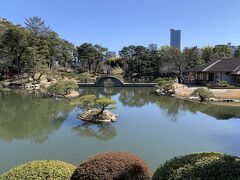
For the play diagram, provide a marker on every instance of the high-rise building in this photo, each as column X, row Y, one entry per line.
column 153, row 47
column 111, row 54
column 175, row 38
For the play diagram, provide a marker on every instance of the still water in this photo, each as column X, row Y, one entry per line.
column 155, row 128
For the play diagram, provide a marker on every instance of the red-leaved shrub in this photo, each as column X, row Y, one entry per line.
column 113, row 166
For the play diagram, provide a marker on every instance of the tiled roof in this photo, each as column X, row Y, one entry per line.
column 222, row 65
column 236, row 71
column 201, row 68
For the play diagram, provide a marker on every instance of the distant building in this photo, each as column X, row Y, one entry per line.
column 111, row 54
column 175, row 38
column 153, row 47
column 233, row 48
column 225, row 69
column 75, row 58
column 2, row 26
column 3, row 19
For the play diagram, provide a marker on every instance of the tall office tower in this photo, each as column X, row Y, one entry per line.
column 153, row 47
column 111, row 54
column 175, row 38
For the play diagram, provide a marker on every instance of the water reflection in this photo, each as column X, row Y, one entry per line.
column 144, row 127
column 138, row 97
column 99, row 131
column 104, row 91
column 23, row 116
column 219, row 112
column 173, row 106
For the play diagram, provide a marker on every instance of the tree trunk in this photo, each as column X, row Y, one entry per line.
column 89, row 68
column 99, row 115
column 101, row 112
column 18, row 68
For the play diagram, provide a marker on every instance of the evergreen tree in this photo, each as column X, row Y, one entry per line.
column 37, row 26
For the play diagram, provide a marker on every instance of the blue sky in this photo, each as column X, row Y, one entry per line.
column 117, row 23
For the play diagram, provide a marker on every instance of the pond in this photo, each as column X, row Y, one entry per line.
column 153, row 127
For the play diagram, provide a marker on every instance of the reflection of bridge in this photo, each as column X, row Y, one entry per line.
column 116, row 83
column 109, row 91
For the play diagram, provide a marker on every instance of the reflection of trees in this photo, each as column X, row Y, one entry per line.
column 170, row 106
column 27, row 117
column 174, row 106
column 89, row 90
column 221, row 112
column 99, row 131
column 137, row 97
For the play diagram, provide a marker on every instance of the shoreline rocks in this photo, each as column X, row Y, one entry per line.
column 196, row 99
column 18, row 85
column 73, row 94
column 92, row 116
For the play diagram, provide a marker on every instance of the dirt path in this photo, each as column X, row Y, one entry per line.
column 184, row 91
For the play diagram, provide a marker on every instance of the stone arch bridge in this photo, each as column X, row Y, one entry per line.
column 116, row 82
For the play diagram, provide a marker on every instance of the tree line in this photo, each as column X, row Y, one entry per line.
column 167, row 61
column 35, row 47
column 32, row 48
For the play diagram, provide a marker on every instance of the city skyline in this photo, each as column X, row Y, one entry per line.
column 141, row 23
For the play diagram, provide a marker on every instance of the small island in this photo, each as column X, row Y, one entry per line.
column 95, row 110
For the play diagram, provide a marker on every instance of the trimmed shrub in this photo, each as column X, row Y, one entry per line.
column 46, row 169
column 61, row 88
column 113, row 165
column 82, row 77
column 166, row 85
column 222, row 84
column 115, row 62
column 200, row 166
column 203, row 94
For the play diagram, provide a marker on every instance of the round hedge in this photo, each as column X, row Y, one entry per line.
column 46, row 169
column 113, row 165
column 200, row 166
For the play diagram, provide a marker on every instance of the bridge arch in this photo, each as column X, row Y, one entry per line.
column 117, row 82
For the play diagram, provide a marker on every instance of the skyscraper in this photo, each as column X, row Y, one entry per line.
column 111, row 54
column 175, row 38
column 153, row 47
